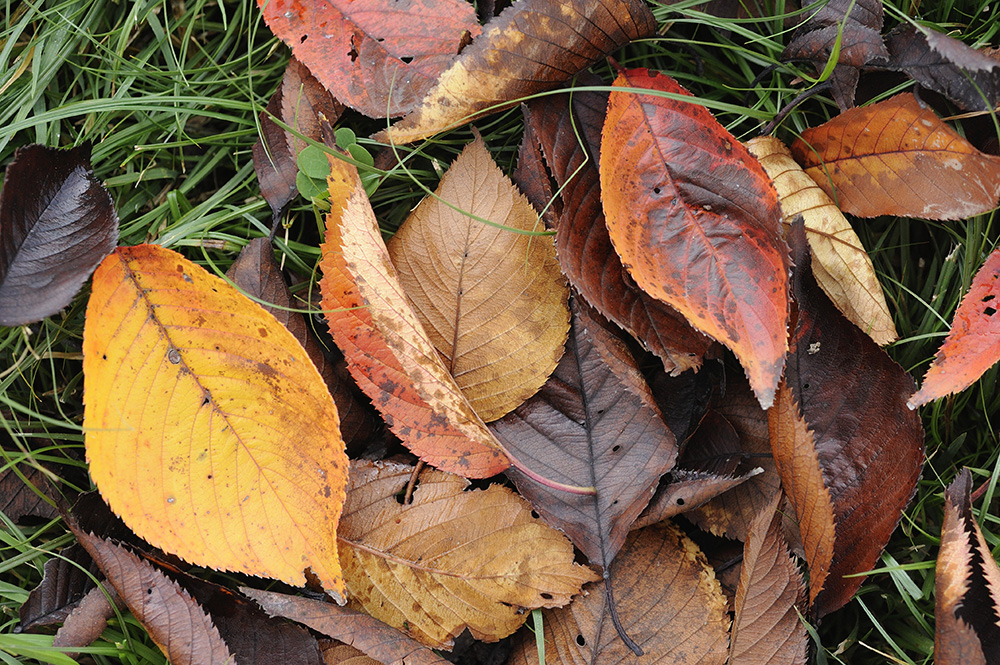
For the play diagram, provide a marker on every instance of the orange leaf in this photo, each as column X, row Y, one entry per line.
column 387, row 349
column 973, row 345
column 696, row 222
column 208, row 429
column 898, row 158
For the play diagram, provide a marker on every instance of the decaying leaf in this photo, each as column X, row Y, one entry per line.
column 688, row 490
column 898, row 158
column 971, row 347
column 967, row 585
column 533, row 45
column 337, row 653
column 56, row 224
column 208, row 429
column 569, row 136
column 668, row 600
column 766, row 628
column 377, row 56
column 22, row 494
column 697, row 223
column 492, row 300
column 452, row 559
column 387, row 350
column 841, row 265
column 88, row 619
column 66, row 579
column 593, row 424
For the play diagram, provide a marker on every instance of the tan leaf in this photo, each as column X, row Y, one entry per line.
column 336, row 653
column 667, row 598
column 452, row 559
column 493, row 301
column 840, row 263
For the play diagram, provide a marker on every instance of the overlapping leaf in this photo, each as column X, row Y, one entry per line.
column 897, row 158
column 377, row 56
column 971, row 347
column 387, row 350
column 533, row 45
column 697, row 223
column 841, row 265
column 208, row 429
column 492, row 300
column 56, row 224
column 452, row 559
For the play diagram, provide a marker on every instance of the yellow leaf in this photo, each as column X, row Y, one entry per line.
column 208, row 429
column 452, row 559
column 493, row 301
column 841, row 265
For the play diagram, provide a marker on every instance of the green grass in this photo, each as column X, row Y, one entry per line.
column 170, row 103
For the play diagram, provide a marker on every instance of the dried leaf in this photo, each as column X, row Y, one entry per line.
column 452, row 559
column 971, row 346
column 593, row 424
column 208, row 429
column 898, row 158
column 688, row 490
column 56, row 224
column 21, row 493
column 336, row 653
column 66, row 579
column 582, row 242
column 387, row 350
column 374, row 638
column 533, row 45
column 668, row 600
column 697, row 222
column 841, row 265
column 377, row 56
column 88, row 619
column 967, row 585
column 766, row 628
column 493, row 301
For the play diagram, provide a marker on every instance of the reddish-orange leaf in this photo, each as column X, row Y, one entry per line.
column 973, row 345
column 387, row 349
column 377, row 56
column 696, row 221
column 898, row 158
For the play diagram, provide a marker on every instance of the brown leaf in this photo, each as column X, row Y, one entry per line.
column 869, row 445
column 337, row 653
column 841, row 265
column 66, row 579
column 88, row 619
column 570, row 139
column 898, row 158
column 452, row 559
column 971, row 346
column 492, row 300
column 298, row 102
column 668, row 600
column 593, row 424
column 533, row 45
column 697, row 222
column 766, row 628
column 22, row 494
column 688, row 490
column 374, row 638
column 967, row 585
column 377, row 56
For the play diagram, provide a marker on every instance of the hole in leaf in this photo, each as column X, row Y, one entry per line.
column 616, row 448
column 535, row 514
column 989, row 311
column 805, row 386
column 547, row 596
column 579, row 640
column 988, row 297
column 680, row 501
column 656, row 190
column 304, row 38
column 407, row 59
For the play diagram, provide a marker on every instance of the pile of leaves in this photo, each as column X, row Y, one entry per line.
column 656, row 320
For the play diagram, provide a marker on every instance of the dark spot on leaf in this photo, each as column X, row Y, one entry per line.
column 534, row 514
column 546, row 596
column 104, row 356
column 303, row 39
column 615, row 448
column 680, row 501
column 579, row 640
column 262, row 332
column 656, row 190
column 805, row 386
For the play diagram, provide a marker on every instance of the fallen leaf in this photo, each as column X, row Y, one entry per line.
column 967, row 585
column 370, row 636
column 298, row 103
column 941, row 63
column 492, row 300
column 533, row 45
column 208, row 429
column 66, row 579
column 594, row 423
column 869, row 446
column 57, row 222
column 387, row 350
column 697, row 222
column 452, row 559
column 377, row 56
column 841, row 265
column 87, row 620
column 766, row 627
column 898, row 158
column 570, row 139
column 668, row 600
column 337, row 653
column 971, row 346
column 688, row 490
column 22, row 494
